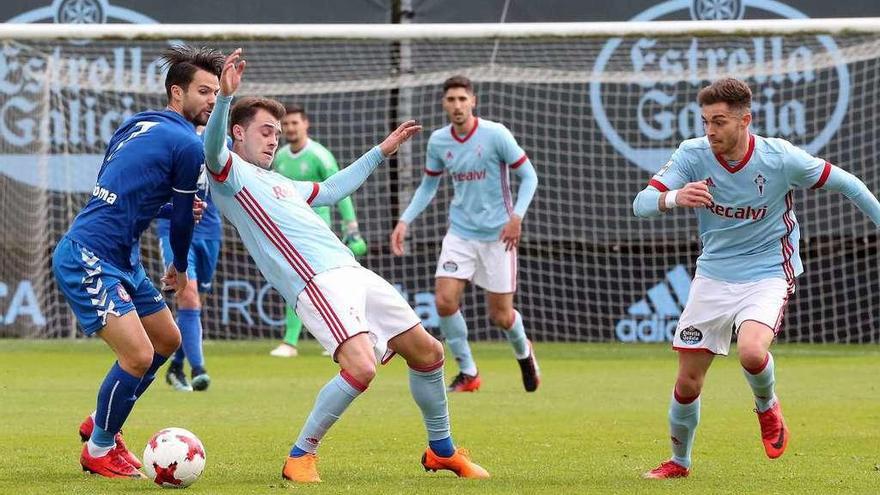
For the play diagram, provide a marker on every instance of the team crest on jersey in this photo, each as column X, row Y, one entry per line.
column 760, row 180
column 709, row 182
column 480, row 150
column 123, row 294
column 450, row 266
column 449, row 155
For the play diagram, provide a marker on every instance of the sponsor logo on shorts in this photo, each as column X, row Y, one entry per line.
column 450, row 266
column 123, row 294
column 691, row 336
column 157, row 298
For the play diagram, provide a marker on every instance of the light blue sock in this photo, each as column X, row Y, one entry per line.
column 116, row 398
column 330, row 403
column 429, row 392
column 190, row 323
column 516, row 335
column 683, row 420
column 454, row 329
column 763, row 383
column 150, row 375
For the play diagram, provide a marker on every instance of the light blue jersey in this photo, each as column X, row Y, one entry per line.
column 273, row 214
column 479, row 165
column 750, row 232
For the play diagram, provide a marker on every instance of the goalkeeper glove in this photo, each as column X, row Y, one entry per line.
column 353, row 240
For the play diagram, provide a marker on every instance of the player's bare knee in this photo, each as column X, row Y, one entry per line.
column 189, row 299
column 502, row 317
column 752, row 356
column 434, row 352
column 137, row 362
column 362, row 370
column 446, row 306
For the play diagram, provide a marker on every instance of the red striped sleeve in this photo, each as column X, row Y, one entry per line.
column 657, row 184
column 224, row 174
column 824, row 177
column 433, row 173
column 315, row 189
column 519, row 162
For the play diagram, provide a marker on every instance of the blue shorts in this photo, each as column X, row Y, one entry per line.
column 202, row 259
column 96, row 289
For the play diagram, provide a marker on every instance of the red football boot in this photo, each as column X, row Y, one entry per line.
column 667, row 470
column 111, row 465
column 774, row 433
column 85, row 432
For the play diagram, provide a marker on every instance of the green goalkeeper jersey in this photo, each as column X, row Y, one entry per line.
column 314, row 163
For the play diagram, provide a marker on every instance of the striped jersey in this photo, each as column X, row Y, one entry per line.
column 479, row 165
column 273, row 216
column 750, row 231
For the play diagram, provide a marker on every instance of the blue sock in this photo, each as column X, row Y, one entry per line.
column 190, row 323
column 330, row 403
column 516, row 335
column 429, row 392
column 763, row 384
column 116, row 398
column 179, row 356
column 454, row 329
column 683, row 420
column 150, row 375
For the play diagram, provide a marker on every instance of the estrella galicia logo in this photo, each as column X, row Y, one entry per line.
column 691, row 336
column 666, row 74
column 450, row 266
column 654, row 318
column 95, row 82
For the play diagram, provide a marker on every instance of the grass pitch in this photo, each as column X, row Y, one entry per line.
column 597, row 422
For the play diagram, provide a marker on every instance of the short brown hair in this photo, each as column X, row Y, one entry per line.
column 244, row 110
column 728, row 90
column 458, row 82
column 294, row 108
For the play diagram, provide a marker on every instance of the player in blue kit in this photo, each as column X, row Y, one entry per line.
column 741, row 187
column 357, row 316
column 484, row 227
column 203, row 255
column 153, row 157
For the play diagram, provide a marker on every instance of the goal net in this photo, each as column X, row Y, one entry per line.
column 597, row 107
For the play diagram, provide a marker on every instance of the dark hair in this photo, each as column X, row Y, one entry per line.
column 458, row 82
column 728, row 90
column 244, row 110
column 296, row 108
column 183, row 61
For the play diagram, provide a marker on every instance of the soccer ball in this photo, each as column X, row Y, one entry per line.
column 174, row 458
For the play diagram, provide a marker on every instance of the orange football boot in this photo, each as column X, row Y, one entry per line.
column 459, row 463
column 303, row 469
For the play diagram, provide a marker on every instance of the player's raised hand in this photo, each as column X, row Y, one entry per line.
column 403, row 132
column 694, row 195
column 511, row 233
column 233, row 68
column 397, row 237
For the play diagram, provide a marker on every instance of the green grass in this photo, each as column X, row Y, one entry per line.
column 597, row 422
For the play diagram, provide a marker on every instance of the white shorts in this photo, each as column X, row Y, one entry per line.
column 343, row 302
column 487, row 263
column 715, row 308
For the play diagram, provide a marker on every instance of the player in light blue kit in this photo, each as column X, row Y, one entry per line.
column 152, row 158
column 356, row 316
column 741, row 187
column 203, row 255
column 484, row 227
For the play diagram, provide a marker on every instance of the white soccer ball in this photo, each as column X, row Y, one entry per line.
column 174, row 458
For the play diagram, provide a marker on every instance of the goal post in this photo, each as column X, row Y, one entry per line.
column 597, row 106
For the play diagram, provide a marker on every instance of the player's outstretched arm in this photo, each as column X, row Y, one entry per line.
column 348, row 180
column 853, row 188
column 216, row 154
column 651, row 202
column 420, row 200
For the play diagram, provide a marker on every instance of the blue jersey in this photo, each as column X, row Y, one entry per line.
column 209, row 228
column 749, row 232
column 479, row 165
column 149, row 156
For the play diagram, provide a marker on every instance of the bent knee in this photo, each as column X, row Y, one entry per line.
column 446, row 306
column 363, row 371
column 502, row 318
column 138, row 362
